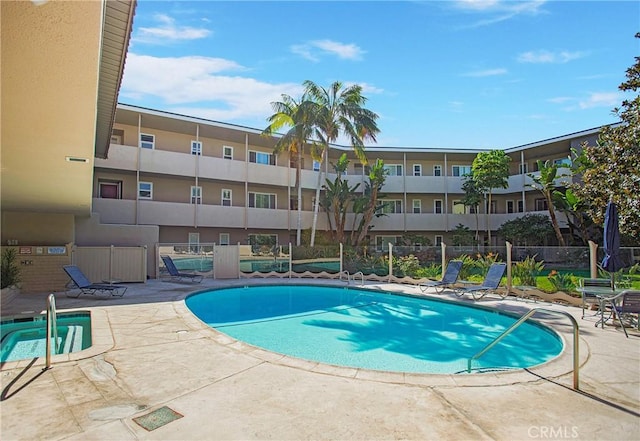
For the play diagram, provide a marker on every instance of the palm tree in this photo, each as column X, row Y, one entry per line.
column 337, row 111
column 293, row 114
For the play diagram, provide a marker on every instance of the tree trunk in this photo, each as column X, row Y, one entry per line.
column 316, row 206
column 299, row 186
column 554, row 220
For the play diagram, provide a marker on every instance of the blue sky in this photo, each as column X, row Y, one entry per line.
column 442, row 74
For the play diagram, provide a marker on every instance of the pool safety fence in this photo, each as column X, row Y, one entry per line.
column 386, row 262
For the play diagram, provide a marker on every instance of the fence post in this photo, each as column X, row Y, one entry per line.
column 290, row 260
column 509, row 280
column 593, row 259
column 390, row 261
column 443, row 259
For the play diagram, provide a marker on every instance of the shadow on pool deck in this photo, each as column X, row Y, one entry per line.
column 154, row 354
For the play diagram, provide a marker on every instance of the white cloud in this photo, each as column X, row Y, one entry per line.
column 212, row 83
column 168, row 31
column 313, row 50
column 499, row 10
column 486, row 73
column 544, row 56
column 601, row 99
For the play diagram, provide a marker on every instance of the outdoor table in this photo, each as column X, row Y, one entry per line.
column 603, row 294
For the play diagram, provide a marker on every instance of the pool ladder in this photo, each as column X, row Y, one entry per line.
column 52, row 328
column 350, row 277
column 524, row 318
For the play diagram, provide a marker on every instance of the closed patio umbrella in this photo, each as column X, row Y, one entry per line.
column 612, row 261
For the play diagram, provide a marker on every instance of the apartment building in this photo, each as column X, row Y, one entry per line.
column 203, row 181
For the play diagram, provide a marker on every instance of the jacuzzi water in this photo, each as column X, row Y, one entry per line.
column 25, row 337
column 372, row 330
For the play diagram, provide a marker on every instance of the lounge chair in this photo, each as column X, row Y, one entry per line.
column 628, row 307
column 489, row 284
column 80, row 281
column 448, row 280
column 177, row 275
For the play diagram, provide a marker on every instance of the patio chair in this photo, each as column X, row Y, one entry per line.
column 448, row 280
column 489, row 284
column 177, row 275
column 628, row 308
column 590, row 298
column 84, row 286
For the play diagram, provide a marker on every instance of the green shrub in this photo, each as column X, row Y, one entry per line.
column 562, row 281
column 9, row 272
column 527, row 270
column 405, row 266
column 433, row 271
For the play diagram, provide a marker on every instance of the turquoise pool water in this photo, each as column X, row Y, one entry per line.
column 372, row 330
column 25, row 337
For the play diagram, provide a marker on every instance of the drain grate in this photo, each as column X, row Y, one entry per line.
column 157, row 418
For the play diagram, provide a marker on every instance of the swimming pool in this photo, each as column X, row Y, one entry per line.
column 372, row 330
column 25, row 337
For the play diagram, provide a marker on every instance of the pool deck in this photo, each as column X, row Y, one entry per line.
column 150, row 353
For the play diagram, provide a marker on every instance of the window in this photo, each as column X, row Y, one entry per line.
column 494, row 209
column 541, row 205
column 145, row 190
column 459, row 208
column 392, row 206
column 524, row 168
column 225, row 238
column 147, row 141
column 510, row 207
column 382, row 242
column 359, row 169
column 393, row 169
column 460, row 170
column 562, row 162
column 417, row 206
column 196, row 195
column 117, row 136
column 196, row 147
column 110, row 189
column 293, row 203
column 316, row 165
column 226, row 197
column 438, row 240
column 227, row 152
column 437, row 206
column 417, row 169
column 520, row 206
column 262, row 200
column 262, row 158
column 437, row 170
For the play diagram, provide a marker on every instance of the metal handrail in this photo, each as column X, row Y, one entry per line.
column 524, row 318
column 359, row 273
column 52, row 322
column 345, row 273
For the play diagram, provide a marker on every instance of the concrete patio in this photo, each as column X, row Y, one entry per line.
column 150, row 354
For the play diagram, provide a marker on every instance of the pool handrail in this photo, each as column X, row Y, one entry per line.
column 52, row 321
column 524, row 318
column 359, row 273
column 344, row 273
